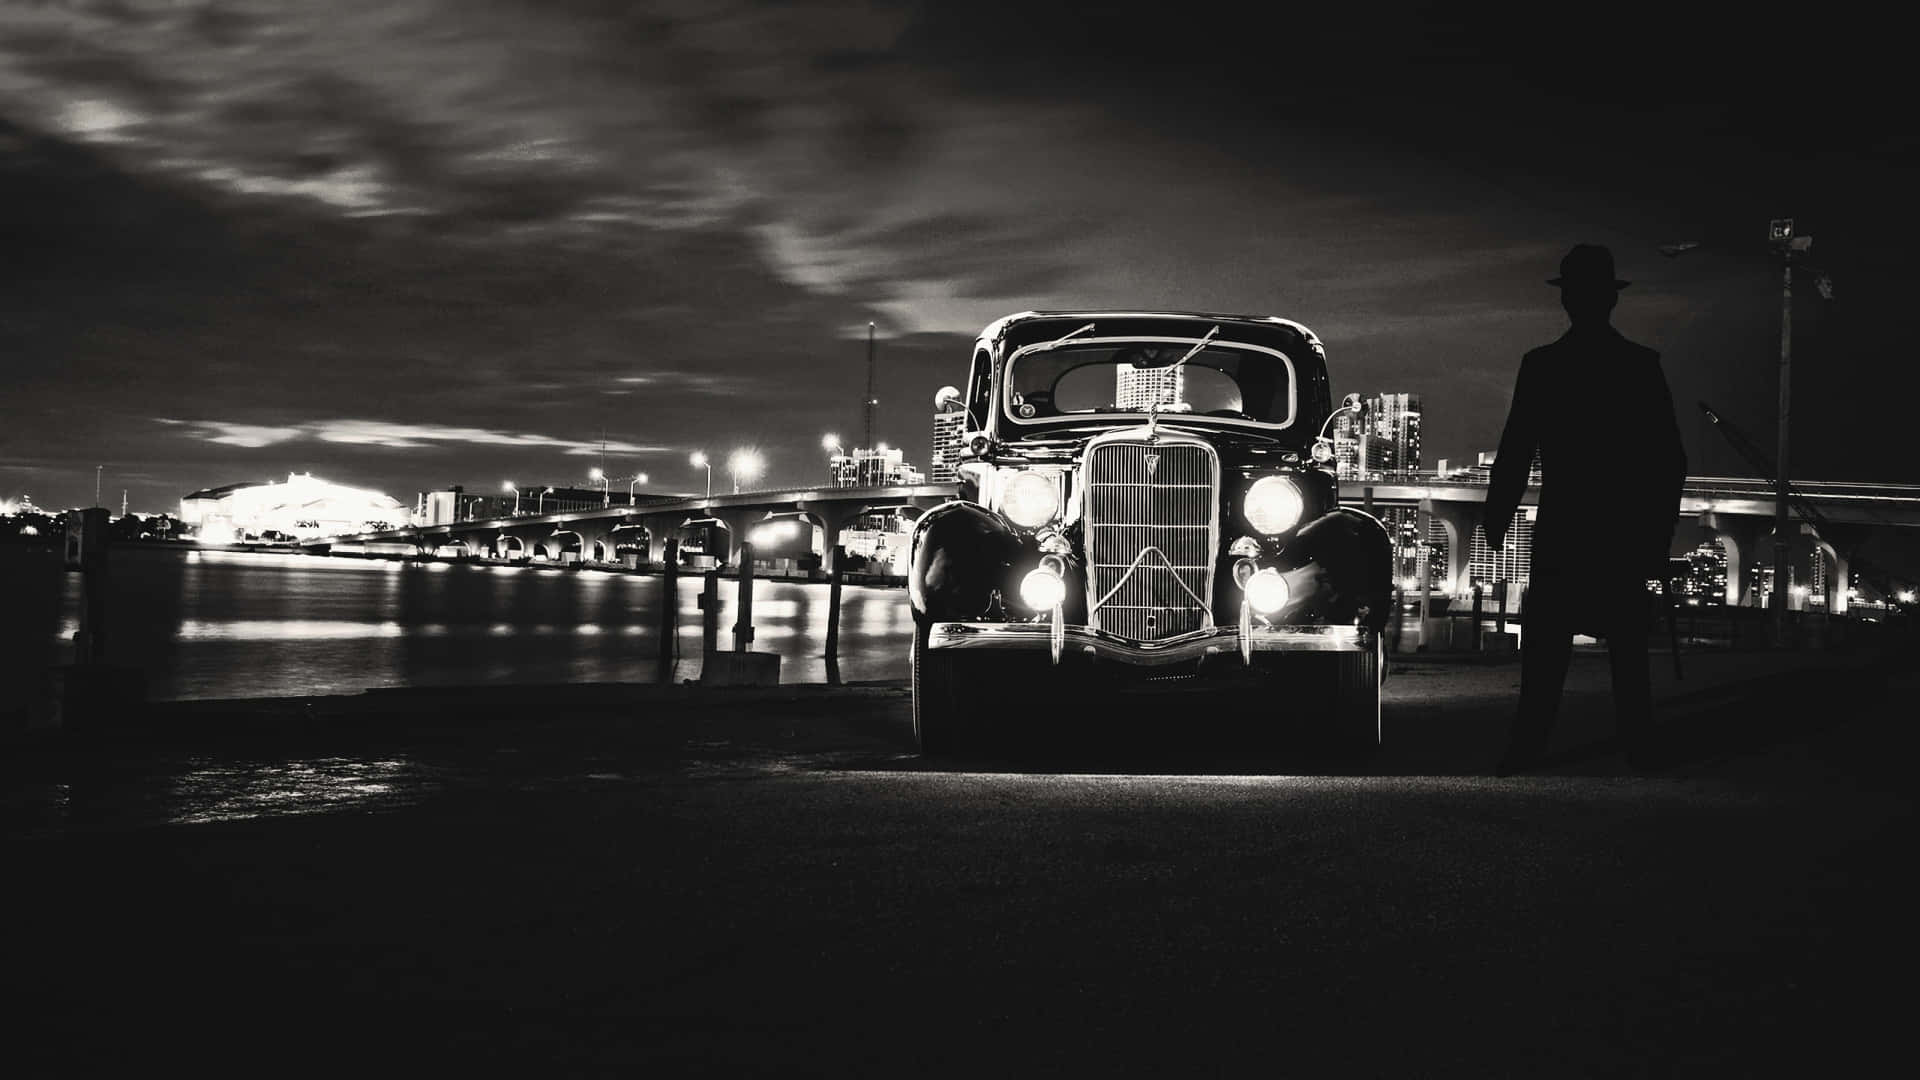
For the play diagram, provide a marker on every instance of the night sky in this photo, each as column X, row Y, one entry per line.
column 414, row 243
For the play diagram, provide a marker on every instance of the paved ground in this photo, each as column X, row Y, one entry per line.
column 596, row 880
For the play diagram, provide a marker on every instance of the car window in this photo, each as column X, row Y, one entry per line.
column 1103, row 378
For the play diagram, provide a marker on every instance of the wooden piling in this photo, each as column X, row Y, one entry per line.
column 669, row 610
column 743, row 621
column 833, row 615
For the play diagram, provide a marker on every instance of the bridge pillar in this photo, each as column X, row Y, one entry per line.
column 830, row 517
column 737, row 523
column 595, row 531
column 1741, row 539
column 1457, row 521
column 660, row 529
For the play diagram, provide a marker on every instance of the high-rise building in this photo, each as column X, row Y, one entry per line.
column 1137, row 388
column 948, row 427
column 878, row 467
column 1390, row 434
column 1346, row 446
column 1513, row 562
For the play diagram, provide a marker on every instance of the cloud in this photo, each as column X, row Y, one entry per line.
column 398, row 436
column 249, row 435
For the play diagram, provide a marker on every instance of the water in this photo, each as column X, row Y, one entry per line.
column 227, row 624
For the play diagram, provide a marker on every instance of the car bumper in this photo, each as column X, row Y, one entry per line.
column 1087, row 641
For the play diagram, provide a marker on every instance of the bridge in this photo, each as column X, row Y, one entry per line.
column 1736, row 511
column 594, row 536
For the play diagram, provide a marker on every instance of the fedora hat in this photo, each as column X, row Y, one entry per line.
column 1588, row 264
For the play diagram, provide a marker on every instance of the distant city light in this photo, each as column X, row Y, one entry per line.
column 1906, row 596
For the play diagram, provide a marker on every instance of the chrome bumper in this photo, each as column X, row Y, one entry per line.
column 1083, row 640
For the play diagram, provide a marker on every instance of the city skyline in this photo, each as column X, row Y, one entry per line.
column 408, row 249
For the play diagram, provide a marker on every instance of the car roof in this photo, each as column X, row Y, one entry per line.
column 1000, row 327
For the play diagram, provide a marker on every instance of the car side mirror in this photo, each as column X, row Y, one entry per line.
column 947, row 399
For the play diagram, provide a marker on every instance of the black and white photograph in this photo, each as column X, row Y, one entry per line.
column 930, row 538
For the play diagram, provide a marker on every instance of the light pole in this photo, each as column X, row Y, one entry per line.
column 606, row 500
column 699, row 458
column 1780, row 236
column 540, row 504
column 831, row 442
column 743, row 465
column 638, row 478
column 508, row 486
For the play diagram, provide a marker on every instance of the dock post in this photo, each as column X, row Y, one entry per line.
column 743, row 611
column 669, row 610
column 710, row 613
column 833, row 615
column 1477, row 610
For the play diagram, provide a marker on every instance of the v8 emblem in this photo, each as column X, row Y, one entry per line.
column 1153, row 462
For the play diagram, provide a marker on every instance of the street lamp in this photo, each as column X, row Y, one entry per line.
column 744, row 465
column 638, row 478
column 1781, row 238
column 508, row 486
column 832, row 442
column 699, row 458
column 539, row 505
column 606, row 500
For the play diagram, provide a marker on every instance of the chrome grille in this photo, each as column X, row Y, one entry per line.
column 1150, row 538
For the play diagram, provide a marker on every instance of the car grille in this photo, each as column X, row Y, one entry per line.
column 1150, row 538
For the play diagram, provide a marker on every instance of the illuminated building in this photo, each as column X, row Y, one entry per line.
column 1137, row 388
column 302, row 507
column 879, row 467
column 1513, row 563
column 1390, row 434
column 1380, row 438
column 1705, row 579
column 1346, row 446
column 948, row 427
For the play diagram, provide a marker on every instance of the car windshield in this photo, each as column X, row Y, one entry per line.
column 1234, row 383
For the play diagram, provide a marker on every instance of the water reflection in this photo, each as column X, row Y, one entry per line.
column 215, row 624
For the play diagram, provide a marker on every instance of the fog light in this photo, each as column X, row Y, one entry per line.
column 1042, row 590
column 1267, row 591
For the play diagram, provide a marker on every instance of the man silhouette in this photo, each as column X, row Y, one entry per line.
column 1596, row 409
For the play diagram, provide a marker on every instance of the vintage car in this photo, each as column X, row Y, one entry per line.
column 1147, row 503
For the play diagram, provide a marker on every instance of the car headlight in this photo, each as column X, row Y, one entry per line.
column 1267, row 591
column 1042, row 589
column 1030, row 499
column 1274, row 504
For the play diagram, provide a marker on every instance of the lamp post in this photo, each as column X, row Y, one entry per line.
column 699, row 458
column 743, row 465
column 606, row 500
column 540, row 504
column 1781, row 237
column 832, row 442
column 508, row 486
column 638, row 478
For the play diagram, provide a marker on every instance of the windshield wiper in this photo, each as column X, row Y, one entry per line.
column 1153, row 407
column 1191, row 353
column 1059, row 341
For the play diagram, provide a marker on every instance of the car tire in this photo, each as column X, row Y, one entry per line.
column 938, row 725
column 1356, row 700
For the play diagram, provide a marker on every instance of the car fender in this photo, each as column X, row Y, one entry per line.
column 963, row 555
column 1351, row 554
